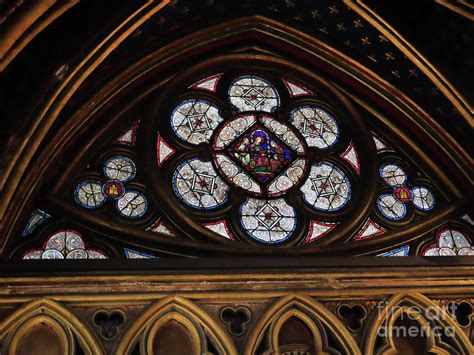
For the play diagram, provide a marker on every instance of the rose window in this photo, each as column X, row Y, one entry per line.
column 261, row 150
column 259, row 158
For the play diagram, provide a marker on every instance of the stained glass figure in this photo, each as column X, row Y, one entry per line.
column 120, row 168
column 89, row 194
column 261, row 154
column 450, row 242
column 65, row 244
column 402, row 251
column 318, row 126
column 129, row 136
column 163, row 150
column 194, row 120
column 393, row 174
column 350, row 155
column 251, row 93
column 327, row 187
column 423, row 198
column 37, row 217
column 268, row 221
column 370, row 229
column 133, row 254
column 220, row 227
column 295, row 89
column 198, row 185
column 133, row 204
column 207, row 84
column 319, row 229
column 160, row 226
column 392, row 206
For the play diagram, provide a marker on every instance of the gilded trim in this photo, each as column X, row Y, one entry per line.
column 28, row 25
column 308, row 306
column 176, row 305
column 461, row 7
column 48, row 307
column 68, row 87
column 391, row 309
column 66, row 339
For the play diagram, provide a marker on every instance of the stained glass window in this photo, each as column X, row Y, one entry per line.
column 318, row 230
column 370, row 229
column 257, row 153
column 402, row 251
column 118, row 170
column 65, row 244
column 327, row 188
column 393, row 205
column 450, row 242
column 252, row 93
column 198, row 185
column 194, row 120
column 269, row 221
column 37, row 218
column 317, row 125
column 89, row 194
column 254, row 158
column 207, row 84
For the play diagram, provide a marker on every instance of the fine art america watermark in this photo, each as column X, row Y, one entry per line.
column 433, row 315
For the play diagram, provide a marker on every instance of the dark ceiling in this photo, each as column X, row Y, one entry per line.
column 444, row 37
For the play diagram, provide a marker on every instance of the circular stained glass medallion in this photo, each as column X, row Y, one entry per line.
column 194, row 120
column 391, row 208
column 317, row 125
column 132, row 204
column 423, row 198
column 89, row 194
column 327, row 187
column 120, row 168
column 252, row 93
column 268, row 221
column 198, row 185
column 393, row 175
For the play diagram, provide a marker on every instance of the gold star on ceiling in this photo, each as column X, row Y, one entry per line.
column 372, row 57
column 358, row 23
column 333, row 9
column 315, row 13
column 412, row 73
column 365, row 41
column 341, row 27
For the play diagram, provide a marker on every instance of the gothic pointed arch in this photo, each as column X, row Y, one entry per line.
column 64, row 325
column 440, row 331
column 321, row 322
column 399, row 211
column 200, row 326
